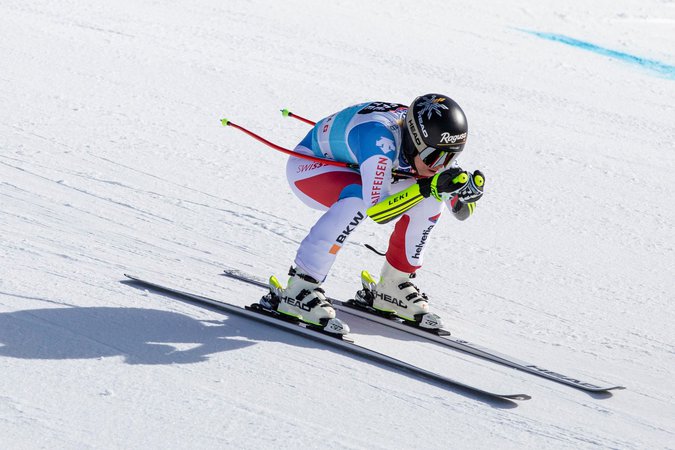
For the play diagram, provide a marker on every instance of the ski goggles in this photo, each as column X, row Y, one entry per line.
column 434, row 157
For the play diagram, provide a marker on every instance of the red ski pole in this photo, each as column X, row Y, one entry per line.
column 329, row 162
column 287, row 113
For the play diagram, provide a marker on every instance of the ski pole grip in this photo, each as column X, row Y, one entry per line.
column 225, row 122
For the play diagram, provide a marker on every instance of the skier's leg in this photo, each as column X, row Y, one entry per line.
column 319, row 249
column 318, row 185
column 395, row 291
column 411, row 234
column 337, row 191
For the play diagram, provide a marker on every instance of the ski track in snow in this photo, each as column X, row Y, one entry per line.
column 112, row 160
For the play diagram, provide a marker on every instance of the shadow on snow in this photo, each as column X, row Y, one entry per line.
column 147, row 336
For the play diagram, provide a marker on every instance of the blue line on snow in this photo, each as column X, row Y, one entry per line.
column 650, row 64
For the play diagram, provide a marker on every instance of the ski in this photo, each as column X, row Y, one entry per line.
column 443, row 337
column 339, row 341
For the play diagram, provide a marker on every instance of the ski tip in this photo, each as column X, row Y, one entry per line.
column 517, row 397
column 611, row 388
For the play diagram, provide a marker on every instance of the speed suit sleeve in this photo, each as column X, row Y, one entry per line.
column 373, row 143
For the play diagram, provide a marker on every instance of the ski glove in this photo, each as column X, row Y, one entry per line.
column 444, row 185
column 473, row 190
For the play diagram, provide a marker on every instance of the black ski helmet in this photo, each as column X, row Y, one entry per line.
column 437, row 130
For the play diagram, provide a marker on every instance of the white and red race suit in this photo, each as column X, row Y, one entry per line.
column 369, row 134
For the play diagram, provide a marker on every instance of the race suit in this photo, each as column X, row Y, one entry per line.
column 369, row 134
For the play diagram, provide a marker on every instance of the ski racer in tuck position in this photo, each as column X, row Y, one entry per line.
column 422, row 140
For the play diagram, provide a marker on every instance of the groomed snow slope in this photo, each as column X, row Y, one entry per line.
column 113, row 160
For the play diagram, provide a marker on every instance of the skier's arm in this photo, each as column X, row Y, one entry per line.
column 374, row 146
column 375, row 179
column 464, row 189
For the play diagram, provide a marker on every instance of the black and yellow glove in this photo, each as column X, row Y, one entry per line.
column 473, row 190
column 444, row 185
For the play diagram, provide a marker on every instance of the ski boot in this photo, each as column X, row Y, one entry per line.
column 304, row 300
column 396, row 295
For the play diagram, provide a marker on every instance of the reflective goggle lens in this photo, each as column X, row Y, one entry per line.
column 434, row 157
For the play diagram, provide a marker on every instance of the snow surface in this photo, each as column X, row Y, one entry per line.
column 113, row 160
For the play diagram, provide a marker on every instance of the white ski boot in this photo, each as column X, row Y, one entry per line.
column 396, row 294
column 305, row 300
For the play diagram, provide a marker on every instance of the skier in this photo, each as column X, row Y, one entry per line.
column 422, row 141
